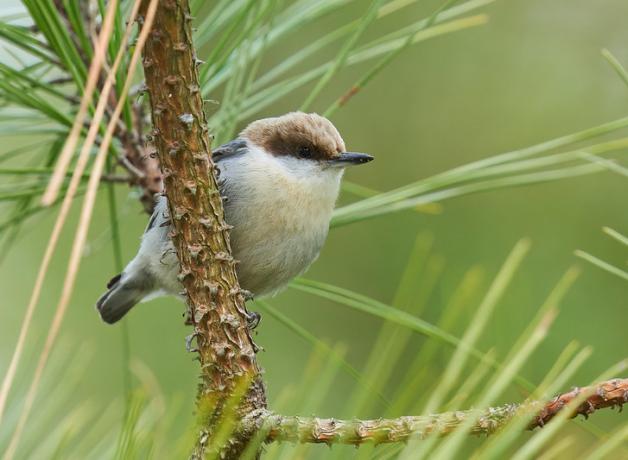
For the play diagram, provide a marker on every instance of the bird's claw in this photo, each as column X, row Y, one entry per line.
column 188, row 342
column 253, row 318
column 248, row 295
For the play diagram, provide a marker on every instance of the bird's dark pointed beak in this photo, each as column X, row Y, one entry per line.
column 351, row 158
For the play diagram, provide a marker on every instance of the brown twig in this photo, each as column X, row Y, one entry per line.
column 143, row 164
column 611, row 393
column 200, row 233
column 116, row 179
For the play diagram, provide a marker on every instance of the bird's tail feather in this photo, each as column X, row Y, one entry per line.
column 122, row 295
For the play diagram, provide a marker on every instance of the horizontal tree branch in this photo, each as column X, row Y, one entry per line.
column 279, row 428
column 116, row 179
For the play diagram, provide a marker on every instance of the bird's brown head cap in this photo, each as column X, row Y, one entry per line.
column 299, row 134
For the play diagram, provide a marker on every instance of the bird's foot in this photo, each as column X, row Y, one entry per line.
column 253, row 318
column 188, row 342
column 248, row 295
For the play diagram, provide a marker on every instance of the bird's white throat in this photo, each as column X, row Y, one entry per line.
column 303, row 191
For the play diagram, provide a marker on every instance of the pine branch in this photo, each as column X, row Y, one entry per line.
column 200, row 234
column 611, row 393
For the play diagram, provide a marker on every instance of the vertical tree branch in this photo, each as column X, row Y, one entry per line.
column 200, row 233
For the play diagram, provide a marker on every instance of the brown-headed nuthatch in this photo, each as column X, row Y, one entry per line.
column 281, row 177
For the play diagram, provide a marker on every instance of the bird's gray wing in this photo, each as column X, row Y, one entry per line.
column 151, row 222
column 228, row 150
column 234, row 147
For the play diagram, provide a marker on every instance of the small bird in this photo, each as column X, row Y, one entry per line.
column 281, row 178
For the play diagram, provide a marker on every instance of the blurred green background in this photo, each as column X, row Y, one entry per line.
column 534, row 72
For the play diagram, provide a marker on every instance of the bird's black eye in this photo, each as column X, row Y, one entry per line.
column 305, row 151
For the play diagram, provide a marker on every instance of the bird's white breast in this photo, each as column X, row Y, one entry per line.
column 280, row 208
